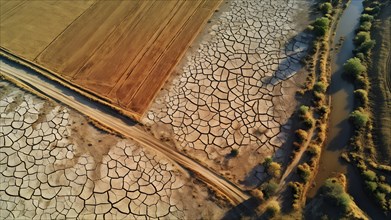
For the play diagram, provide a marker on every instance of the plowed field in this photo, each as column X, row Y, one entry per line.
column 120, row 51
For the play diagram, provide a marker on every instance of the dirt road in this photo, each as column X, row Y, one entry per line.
column 55, row 91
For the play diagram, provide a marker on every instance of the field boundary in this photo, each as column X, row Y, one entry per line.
column 57, row 78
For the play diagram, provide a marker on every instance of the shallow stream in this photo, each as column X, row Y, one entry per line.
column 342, row 102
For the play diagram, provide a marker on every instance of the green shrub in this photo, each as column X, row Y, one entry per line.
column 301, row 135
column 369, row 175
column 269, row 188
column 308, row 122
column 326, row 8
column 359, row 118
column 360, row 56
column 314, row 149
column 320, row 87
column 273, row 208
column 365, row 26
column 344, row 201
column 267, row 162
column 303, row 110
column 334, row 192
column 323, row 110
column 321, row 26
column 361, row 82
column 366, row 46
column 354, row 67
column 304, row 171
column 362, row 96
column 319, row 98
column 371, row 10
column 371, row 185
column 385, row 188
column 274, row 169
column 381, row 199
column 361, row 37
column 366, row 17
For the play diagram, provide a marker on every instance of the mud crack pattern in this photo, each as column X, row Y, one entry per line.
column 232, row 92
column 46, row 175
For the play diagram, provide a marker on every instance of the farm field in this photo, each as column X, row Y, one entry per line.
column 122, row 52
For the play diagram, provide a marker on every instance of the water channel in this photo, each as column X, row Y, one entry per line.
column 342, row 102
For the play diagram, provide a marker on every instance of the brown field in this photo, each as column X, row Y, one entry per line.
column 121, row 51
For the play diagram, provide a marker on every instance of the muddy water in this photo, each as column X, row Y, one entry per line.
column 342, row 97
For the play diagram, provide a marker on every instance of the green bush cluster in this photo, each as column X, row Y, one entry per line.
column 306, row 116
column 362, row 82
column 361, row 37
column 326, row 8
column 335, row 193
column 361, row 142
column 362, row 96
column 322, row 110
column 301, row 136
column 359, row 118
column 269, row 188
column 380, row 190
column 297, row 190
column 366, row 17
column 365, row 26
column 320, row 87
column 274, row 169
column 354, row 68
column 273, row 209
column 304, row 171
column 303, row 110
column 314, row 149
column 321, row 26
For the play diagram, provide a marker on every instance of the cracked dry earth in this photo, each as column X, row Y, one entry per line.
column 236, row 91
column 54, row 165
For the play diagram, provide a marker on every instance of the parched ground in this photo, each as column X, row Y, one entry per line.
column 237, row 89
column 55, row 165
column 121, row 51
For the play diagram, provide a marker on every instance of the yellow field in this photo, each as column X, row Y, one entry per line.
column 122, row 51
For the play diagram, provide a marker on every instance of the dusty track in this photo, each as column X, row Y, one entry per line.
column 234, row 194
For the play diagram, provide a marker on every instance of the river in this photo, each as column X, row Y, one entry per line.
column 342, row 102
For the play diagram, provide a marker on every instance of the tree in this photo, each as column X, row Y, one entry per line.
column 365, row 26
column 303, row 110
column 370, row 175
column 301, row 135
column 326, row 8
column 269, row 188
column 361, row 37
column 304, row 171
column 366, row 46
column 366, row 17
column 274, row 169
column 321, row 26
column 359, row 118
column 362, row 96
column 320, row 87
column 354, row 67
column 273, row 208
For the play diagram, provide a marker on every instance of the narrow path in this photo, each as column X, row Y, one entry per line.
column 296, row 160
column 218, row 183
